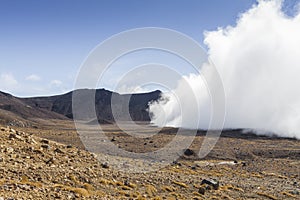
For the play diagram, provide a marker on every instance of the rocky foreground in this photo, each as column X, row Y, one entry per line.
column 37, row 168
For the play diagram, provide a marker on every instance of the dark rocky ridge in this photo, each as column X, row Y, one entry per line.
column 60, row 106
column 17, row 110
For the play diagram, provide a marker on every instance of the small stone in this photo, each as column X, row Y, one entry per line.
column 295, row 183
column 213, row 183
column 38, row 151
column 15, row 136
column 51, row 160
column 295, row 192
column 176, row 163
column 105, row 165
column 57, row 150
column 9, row 150
column 126, row 182
column 189, row 152
column 201, row 190
column 45, row 146
column 71, row 196
column 12, row 136
column 32, row 141
column 45, row 141
column 12, row 131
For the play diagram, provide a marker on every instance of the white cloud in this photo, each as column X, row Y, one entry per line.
column 31, row 86
column 8, row 82
column 56, row 83
column 125, row 89
column 33, row 77
column 259, row 63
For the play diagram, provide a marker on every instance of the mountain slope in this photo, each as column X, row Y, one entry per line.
column 15, row 111
column 60, row 106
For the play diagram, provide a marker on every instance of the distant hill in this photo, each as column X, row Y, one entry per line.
column 15, row 111
column 60, row 106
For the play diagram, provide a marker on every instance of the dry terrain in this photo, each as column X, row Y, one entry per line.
column 49, row 161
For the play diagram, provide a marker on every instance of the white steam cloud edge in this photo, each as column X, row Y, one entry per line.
column 259, row 62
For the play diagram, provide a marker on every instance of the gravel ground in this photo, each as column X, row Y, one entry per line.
column 32, row 167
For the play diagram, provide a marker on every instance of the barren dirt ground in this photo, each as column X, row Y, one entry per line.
column 50, row 162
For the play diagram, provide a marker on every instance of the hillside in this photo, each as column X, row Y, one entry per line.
column 15, row 111
column 23, row 111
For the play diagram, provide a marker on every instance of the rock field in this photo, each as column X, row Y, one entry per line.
column 37, row 168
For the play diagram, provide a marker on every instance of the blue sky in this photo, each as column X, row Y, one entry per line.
column 43, row 43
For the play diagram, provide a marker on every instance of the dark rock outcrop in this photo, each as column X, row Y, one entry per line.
column 60, row 106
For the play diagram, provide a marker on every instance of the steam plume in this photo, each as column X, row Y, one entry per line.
column 258, row 60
